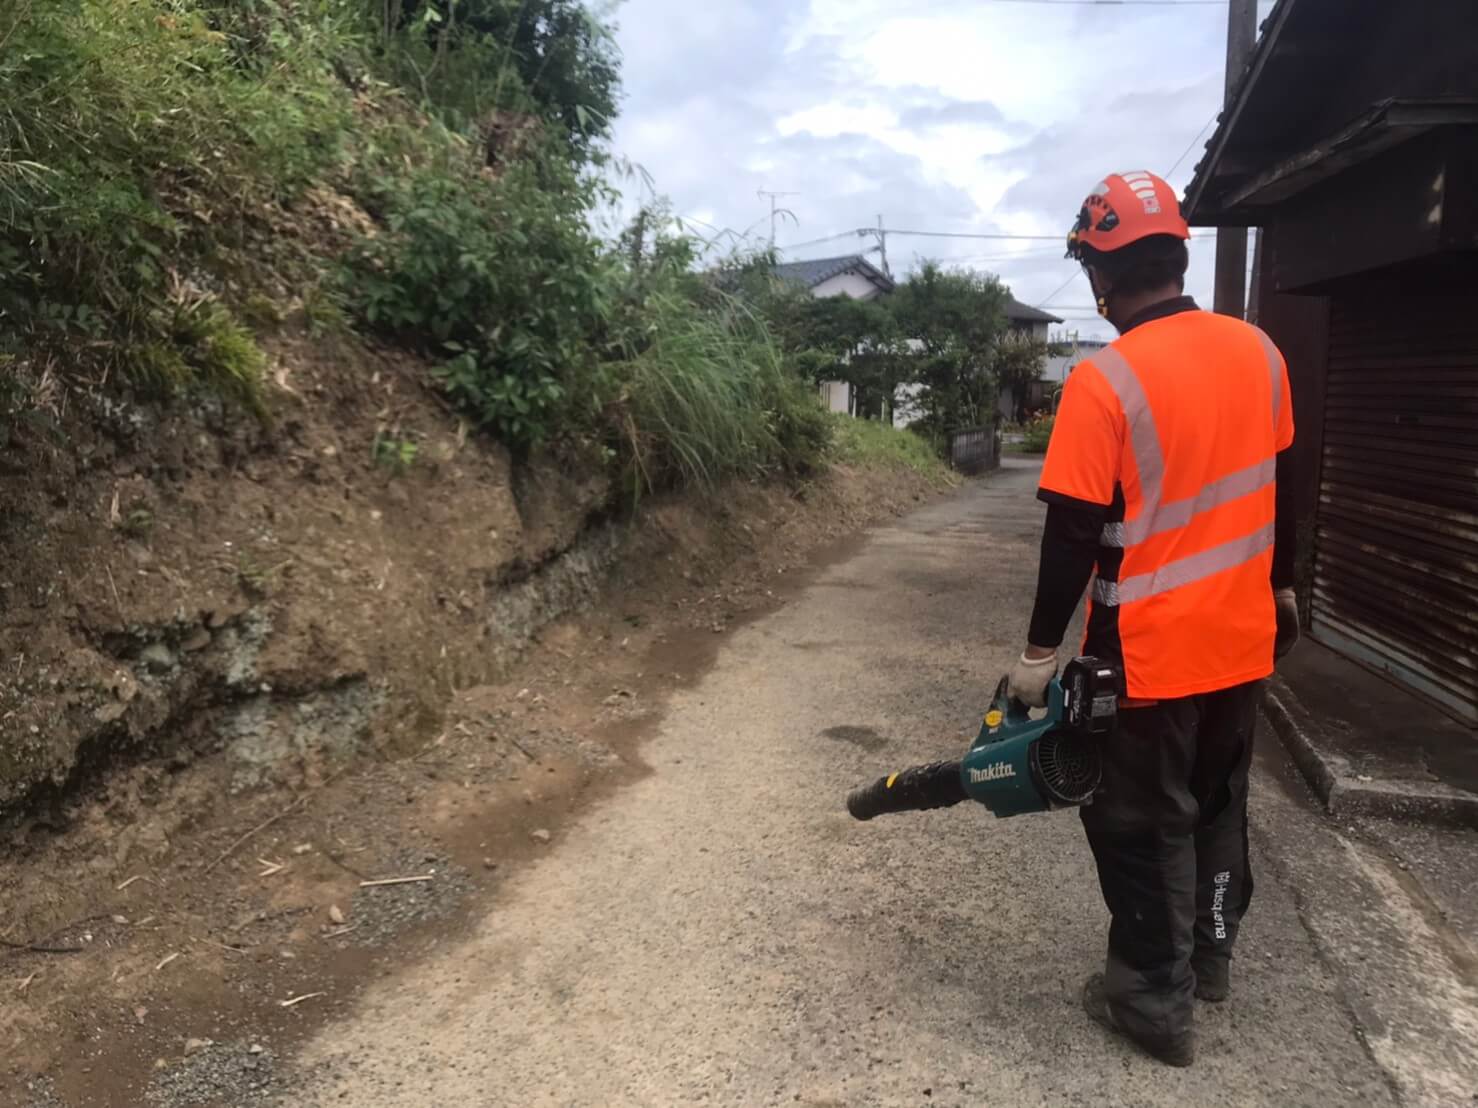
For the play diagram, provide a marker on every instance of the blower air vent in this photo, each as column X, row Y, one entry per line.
column 1067, row 767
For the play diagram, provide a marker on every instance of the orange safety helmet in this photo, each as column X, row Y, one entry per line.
column 1124, row 208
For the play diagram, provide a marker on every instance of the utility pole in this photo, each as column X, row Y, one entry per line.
column 1254, row 294
column 1231, row 242
column 883, row 246
column 776, row 212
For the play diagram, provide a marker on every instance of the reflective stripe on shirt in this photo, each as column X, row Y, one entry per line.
column 1156, row 516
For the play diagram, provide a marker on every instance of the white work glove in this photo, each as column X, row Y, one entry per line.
column 1287, row 637
column 1028, row 680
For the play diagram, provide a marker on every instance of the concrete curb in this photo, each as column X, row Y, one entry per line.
column 1342, row 790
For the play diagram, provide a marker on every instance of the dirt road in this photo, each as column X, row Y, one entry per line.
column 720, row 932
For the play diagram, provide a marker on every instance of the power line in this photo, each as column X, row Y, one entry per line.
column 1075, row 275
column 1191, row 146
column 1023, row 256
column 970, row 235
column 829, row 238
column 994, row 237
column 1119, row 3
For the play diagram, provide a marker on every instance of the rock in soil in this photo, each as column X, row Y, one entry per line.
column 41, row 1093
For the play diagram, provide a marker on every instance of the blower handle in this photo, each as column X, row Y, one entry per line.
column 917, row 789
column 1014, row 710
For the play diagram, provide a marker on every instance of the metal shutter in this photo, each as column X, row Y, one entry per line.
column 1396, row 538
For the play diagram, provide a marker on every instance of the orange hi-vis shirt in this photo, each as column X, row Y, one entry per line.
column 1175, row 428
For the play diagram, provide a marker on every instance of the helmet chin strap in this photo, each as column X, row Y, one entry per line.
column 1099, row 299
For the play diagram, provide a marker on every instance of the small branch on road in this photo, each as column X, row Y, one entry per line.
column 299, row 999
column 396, row 881
column 38, row 948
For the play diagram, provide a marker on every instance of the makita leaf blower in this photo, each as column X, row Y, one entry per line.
column 1016, row 764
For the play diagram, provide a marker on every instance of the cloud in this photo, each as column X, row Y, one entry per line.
column 942, row 113
column 947, row 115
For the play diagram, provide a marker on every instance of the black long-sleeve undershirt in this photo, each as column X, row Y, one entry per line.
column 1069, row 555
column 1070, row 549
column 1285, row 525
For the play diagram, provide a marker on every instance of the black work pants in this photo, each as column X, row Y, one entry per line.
column 1168, row 830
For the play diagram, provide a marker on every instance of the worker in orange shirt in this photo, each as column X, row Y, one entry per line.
column 1160, row 485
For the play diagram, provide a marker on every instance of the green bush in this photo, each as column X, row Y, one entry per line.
column 1036, row 435
column 502, row 278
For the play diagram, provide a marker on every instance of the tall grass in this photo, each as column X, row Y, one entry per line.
column 708, row 398
column 138, row 142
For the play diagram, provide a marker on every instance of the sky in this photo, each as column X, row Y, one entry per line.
column 961, row 116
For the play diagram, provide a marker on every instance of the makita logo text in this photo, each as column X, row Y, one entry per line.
column 995, row 772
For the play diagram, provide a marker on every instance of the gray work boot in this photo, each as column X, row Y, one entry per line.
column 1179, row 1050
column 1213, row 979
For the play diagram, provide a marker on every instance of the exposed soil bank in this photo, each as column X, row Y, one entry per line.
column 231, row 649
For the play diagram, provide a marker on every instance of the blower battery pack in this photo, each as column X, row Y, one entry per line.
column 1016, row 764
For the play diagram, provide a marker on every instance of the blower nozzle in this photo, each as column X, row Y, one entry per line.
column 936, row 785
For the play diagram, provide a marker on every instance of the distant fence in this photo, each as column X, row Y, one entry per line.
column 975, row 450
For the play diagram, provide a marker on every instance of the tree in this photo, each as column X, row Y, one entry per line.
column 1017, row 365
column 958, row 319
column 838, row 338
column 563, row 58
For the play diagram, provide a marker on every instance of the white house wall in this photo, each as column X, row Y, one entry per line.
column 906, row 404
column 850, row 284
column 836, row 396
column 1060, row 365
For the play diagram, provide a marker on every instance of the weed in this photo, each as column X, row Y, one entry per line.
column 138, row 524
column 256, row 579
column 323, row 313
column 394, row 454
column 262, row 311
column 202, row 345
